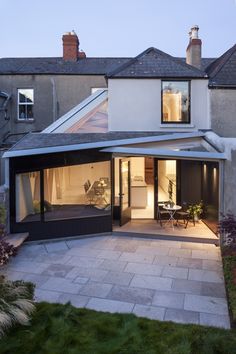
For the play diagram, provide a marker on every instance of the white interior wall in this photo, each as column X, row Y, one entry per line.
column 137, row 167
column 72, row 179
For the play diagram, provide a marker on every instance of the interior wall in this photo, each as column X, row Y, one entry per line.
column 68, row 182
column 137, row 167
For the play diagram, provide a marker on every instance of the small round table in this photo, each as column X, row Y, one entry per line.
column 172, row 210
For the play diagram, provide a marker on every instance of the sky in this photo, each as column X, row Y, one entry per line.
column 107, row 28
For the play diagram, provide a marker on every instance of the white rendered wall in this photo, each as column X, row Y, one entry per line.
column 135, row 105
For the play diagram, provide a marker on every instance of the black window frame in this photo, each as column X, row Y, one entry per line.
column 189, row 98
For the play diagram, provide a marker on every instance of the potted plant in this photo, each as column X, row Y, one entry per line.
column 195, row 210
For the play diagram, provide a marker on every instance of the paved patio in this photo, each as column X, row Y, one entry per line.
column 164, row 280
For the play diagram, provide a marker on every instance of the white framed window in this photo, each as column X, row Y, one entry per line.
column 25, row 109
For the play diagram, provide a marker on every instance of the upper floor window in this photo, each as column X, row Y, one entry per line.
column 25, row 104
column 175, row 102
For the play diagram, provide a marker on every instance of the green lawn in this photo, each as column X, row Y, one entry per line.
column 229, row 263
column 63, row 329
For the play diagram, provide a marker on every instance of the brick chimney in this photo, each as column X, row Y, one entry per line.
column 194, row 49
column 71, row 47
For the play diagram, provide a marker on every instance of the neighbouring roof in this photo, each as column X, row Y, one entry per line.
column 222, row 71
column 150, row 64
column 85, row 66
column 205, row 62
column 155, row 63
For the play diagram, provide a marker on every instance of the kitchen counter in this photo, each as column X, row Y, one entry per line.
column 138, row 194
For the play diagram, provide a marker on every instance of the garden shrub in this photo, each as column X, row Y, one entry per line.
column 16, row 304
column 227, row 229
column 6, row 251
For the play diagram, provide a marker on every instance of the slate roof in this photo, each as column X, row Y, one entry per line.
column 39, row 140
column 222, row 71
column 205, row 62
column 155, row 63
column 86, row 66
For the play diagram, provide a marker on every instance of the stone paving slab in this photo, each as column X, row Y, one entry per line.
column 181, row 316
column 91, row 273
column 151, row 312
column 175, row 272
column 27, row 266
column 207, row 255
column 53, row 258
column 205, row 275
column 207, row 304
column 87, row 262
column 166, row 260
column 61, row 285
column 75, row 300
column 96, row 289
column 133, row 295
column 159, row 279
column 187, row 286
column 118, row 278
column 57, row 270
column 168, row 299
column 47, row 295
column 190, row 263
column 137, row 258
column 151, row 282
column 161, row 250
column 149, row 269
column 112, row 306
column 116, row 266
column 56, row 246
column 208, row 319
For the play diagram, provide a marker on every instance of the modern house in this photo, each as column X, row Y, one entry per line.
column 144, row 140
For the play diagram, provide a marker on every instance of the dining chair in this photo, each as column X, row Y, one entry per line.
column 161, row 213
column 184, row 215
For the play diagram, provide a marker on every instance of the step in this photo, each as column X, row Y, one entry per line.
column 16, row 239
column 214, row 241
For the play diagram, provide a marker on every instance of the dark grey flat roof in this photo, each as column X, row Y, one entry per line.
column 42, row 143
column 42, row 140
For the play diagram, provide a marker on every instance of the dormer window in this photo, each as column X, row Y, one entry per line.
column 175, row 102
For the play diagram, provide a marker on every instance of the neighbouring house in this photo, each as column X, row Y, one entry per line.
column 145, row 139
column 43, row 89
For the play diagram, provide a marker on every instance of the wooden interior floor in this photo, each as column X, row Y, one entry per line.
column 200, row 230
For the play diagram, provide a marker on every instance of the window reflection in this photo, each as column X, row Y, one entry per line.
column 28, row 196
column 77, row 191
column 175, row 102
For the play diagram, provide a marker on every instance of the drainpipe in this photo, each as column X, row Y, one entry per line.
column 221, row 193
column 54, row 100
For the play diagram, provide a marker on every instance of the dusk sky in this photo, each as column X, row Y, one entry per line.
column 115, row 28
